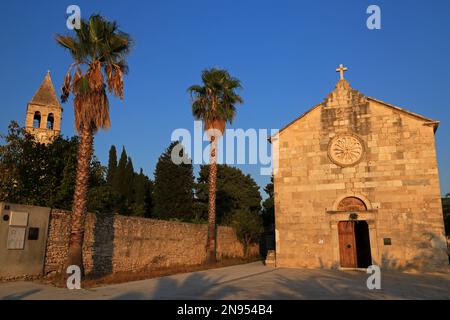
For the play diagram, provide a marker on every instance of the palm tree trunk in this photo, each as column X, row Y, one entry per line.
column 79, row 206
column 212, row 180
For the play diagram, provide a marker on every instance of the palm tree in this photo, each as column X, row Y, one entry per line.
column 98, row 50
column 214, row 103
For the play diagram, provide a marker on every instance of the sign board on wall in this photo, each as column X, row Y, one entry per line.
column 18, row 219
column 17, row 229
column 16, row 238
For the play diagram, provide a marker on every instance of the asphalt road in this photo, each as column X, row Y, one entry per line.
column 250, row 281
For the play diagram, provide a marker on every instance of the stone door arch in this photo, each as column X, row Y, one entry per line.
column 347, row 200
column 351, row 204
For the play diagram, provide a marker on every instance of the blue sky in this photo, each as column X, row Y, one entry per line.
column 285, row 53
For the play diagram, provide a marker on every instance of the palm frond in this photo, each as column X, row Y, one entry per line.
column 101, row 48
column 216, row 98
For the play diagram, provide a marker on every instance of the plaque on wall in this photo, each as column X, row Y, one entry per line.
column 18, row 219
column 16, row 238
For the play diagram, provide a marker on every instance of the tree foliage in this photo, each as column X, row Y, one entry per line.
column 268, row 212
column 235, row 191
column 143, row 189
column 112, row 165
column 98, row 49
column 248, row 227
column 173, row 191
column 446, row 211
column 33, row 173
column 216, row 98
column 44, row 175
column 130, row 191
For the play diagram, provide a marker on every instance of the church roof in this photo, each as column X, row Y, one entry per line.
column 46, row 94
column 428, row 121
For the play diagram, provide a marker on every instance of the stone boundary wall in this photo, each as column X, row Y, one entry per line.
column 115, row 243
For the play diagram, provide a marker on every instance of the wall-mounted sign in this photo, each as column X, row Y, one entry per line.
column 18, row 222
column 18, row 219
column 16, row 238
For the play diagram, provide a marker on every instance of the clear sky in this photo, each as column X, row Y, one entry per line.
column 285, row 53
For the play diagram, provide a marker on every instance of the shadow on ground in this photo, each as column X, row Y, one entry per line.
column 194, row 286
column 253, row 281
column 21, row 295
column 352, row 285
column 298, row 284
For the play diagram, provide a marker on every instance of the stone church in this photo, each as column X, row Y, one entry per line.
column 357, row 184
column 43, row 117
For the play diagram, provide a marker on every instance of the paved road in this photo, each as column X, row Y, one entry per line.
column 250, row 281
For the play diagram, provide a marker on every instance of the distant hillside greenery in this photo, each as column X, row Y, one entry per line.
column 44, row 175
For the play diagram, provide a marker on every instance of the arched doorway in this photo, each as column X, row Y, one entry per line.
column 354, row 239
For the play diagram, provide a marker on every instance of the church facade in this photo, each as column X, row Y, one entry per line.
column 357, row 184
column 43, row 117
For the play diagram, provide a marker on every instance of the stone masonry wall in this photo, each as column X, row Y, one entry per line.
column 116, row 243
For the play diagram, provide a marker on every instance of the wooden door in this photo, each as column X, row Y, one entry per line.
column 347, row 244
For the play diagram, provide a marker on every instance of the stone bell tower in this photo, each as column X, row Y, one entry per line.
column 43, row 118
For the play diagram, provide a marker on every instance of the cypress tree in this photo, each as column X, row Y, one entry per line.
column 127, row 183
column 139, row 194
column 64, row 194
column 119, row 175
column 112, row 165
column 173, row 188
column 118, row 183
column 148, row 199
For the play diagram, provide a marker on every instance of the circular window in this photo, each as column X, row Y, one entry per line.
column 5, row 217
column 346, row 150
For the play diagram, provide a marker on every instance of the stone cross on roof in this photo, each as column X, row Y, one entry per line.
column 341, row 70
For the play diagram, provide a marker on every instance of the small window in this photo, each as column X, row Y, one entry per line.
column 37, row 120
column 33, row 233
column 50, row 121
